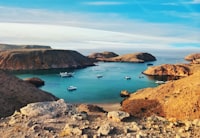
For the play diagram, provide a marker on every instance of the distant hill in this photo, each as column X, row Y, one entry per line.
column 132, row 57
column 40, row 59
column 11, row 46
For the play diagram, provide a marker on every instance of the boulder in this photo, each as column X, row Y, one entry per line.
column 35, row 81
column 15, row 93
column 42, row 59
column 180, row 70
column 124, row 93
column 117, row 116
column 52, row 109
column 105, row 129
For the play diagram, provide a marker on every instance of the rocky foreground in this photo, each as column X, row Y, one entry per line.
column 59, row 119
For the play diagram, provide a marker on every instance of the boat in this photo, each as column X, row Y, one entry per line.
column 160, row 82
column 66, row 74
column 127, row 77
column 99, row 76
column 71, row 88
column 149, row 64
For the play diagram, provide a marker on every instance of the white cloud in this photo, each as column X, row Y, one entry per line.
column 196, row 2
column 81, row 30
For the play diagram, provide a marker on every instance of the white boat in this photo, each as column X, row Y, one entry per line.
column 127, row 77
column 99, row 76
column 71, row 88
column 160, row 82
column 66, row 74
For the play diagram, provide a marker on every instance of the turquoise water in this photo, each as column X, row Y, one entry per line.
column 107, row 89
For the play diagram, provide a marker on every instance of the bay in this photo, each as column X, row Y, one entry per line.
column 91, row 89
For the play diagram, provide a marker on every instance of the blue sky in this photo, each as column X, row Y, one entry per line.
column 90, row 24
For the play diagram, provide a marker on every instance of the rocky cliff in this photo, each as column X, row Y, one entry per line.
column 9, row 46
column 16, row 93
column 134, row 57
column 194, row 58
column 176, row 99
column 180, row 70
column 38, row 59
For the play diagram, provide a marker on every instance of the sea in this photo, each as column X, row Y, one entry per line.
column 91, row 89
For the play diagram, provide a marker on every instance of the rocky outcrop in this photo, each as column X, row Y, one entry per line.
column 176, row 99
column 10, row 46
column 180, row 70
column 135, row 57
column 112, row 57
column 194, row 58
column 40, row 59
column 16, row 93
column 35, row 81
column 102, row 56
column 124, row 93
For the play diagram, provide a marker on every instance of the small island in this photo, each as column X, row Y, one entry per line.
column 133, row 57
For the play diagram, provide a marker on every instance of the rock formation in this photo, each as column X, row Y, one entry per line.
column 102, row 56
column 35, row 81
column 176, row 99
column 10, row 46
column 180, row 70
column 39, row 59
column 135, row 57
column 16, row 93
column 194, row 58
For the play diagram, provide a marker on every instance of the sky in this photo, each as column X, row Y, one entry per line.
column 105, row 24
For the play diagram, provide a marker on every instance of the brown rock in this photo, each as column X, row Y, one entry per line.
column 191, row 57
column 124, row 93
column 168, row 70
column 195, row 58
column 38, row 59
column 102, row 56
column 16, row 93
column 90, row 108
column 176, row 99
column 135, row 57
column 35, row 81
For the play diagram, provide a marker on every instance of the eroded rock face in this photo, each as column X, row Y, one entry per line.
column 38, row 59
column 16, row 93
column 194, row 58
column 168, row 70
